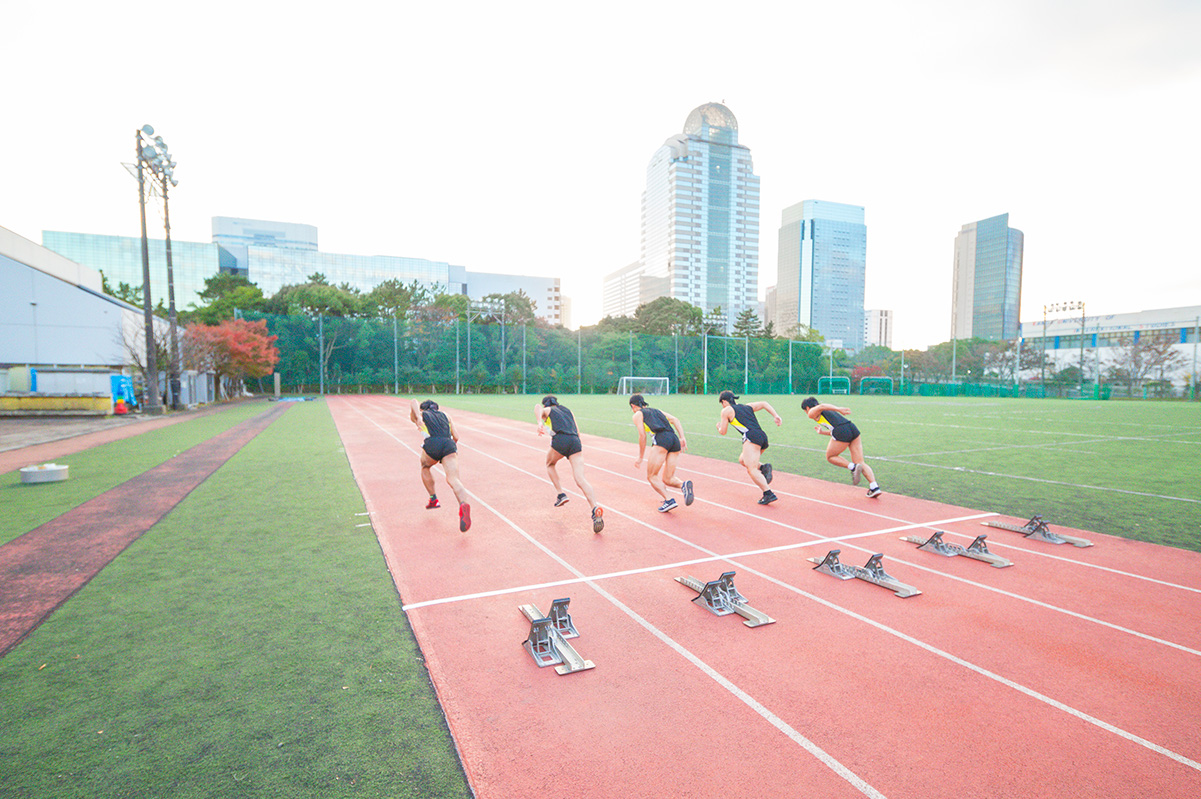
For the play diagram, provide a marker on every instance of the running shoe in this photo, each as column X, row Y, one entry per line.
column 560, row 500
column 766, row 469
column 856, row 473
column 464, row 517
column 433, row 503
column 668, row 504
column 688, row 492
column 767, row 498
column 875, row 492
column 598, row 523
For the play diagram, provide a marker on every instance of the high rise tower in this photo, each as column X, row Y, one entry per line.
column 700, row 217
column 986, row 289
column 822, row 263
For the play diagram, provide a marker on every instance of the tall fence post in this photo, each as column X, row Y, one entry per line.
column 579, row 360
column 395, row 357
column 321, row 352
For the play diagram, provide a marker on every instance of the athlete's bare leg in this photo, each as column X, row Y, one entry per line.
column 552, row 459
column 427, row 477
column 577, row 472
column 750, row 459
column 833, row 453
column 654, row 464
column 669, row 470
column 451, row 464
column 857, row 457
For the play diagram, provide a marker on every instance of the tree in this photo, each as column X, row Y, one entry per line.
column 513, row 308
column 665, row 316
column 747, row 324
column 233, row 350
column 315, row 298
column 800, row 332
column 223, row 294
column 1138, row 360
column 394, row 299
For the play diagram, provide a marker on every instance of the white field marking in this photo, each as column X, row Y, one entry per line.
column 1179, row 758
column 367, row 513
column 668, row 566
column 816, row 751
column 880, row 626
column 859, row 510
column 923, row 525
column 365, row 524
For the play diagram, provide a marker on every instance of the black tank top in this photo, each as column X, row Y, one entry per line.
column 561, row 421
column 654, row 420
column 744, row 418
column 833, row 418
column 436, row 424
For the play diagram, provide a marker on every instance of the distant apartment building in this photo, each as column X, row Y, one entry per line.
column 877, row 328
column 986, row 286
column 821, row 270
column 276, row 254
column 622, row 291
column 700, row 217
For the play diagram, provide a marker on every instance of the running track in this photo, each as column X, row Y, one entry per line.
column 1075, row 672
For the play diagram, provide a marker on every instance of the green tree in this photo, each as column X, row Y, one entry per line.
column 512, row 308
column 747, row 324
column 665, row 316
column 222, row 294
column 395, row 299
column 315, row 299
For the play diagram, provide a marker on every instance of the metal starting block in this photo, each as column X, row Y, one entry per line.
column 1037, row 529
column 977, row 550
column 547, row 641
column 873, row 572
column 721, row 598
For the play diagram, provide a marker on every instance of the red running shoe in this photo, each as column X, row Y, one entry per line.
column 464, row 517
column 433, row 503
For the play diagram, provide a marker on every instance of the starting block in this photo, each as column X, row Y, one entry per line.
column 977, row 550
column 547, row 641
column 721, row 598
column 873, row 572
column 1037, row 529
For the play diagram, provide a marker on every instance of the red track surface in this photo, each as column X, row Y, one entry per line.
column 1074, row 672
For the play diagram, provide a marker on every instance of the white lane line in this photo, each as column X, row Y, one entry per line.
column 809, row 746
column 884, row 628
column 903, row 561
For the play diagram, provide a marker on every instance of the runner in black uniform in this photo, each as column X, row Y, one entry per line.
column 754, row 440
column 843, row 435
column 665, row 450
column 439, row 447
column 565, row 443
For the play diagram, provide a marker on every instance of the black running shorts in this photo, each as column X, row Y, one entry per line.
column 565, row 444
column 668, row 440
column 846, row 433
column 439, row 448
column 756, row 437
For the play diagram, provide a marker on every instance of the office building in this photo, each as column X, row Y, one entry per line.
column 700, row 217
column 877, row 328
column 986, row 287
column 822, row 263
column 544, row 291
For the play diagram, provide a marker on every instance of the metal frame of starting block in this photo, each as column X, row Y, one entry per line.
column 873, row 572
column 721, row 598
column 547, row 641
column 977, row 550
column 1037, row 529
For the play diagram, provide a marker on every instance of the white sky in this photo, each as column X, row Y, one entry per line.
column 515, row 137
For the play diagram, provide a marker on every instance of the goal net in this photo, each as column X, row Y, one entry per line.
column 643, row 385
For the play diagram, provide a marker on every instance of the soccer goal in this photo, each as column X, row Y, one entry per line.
column 643, row 385
column 875, row 385
column 834, row 385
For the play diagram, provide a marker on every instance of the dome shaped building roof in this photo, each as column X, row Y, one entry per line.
column 710, row 115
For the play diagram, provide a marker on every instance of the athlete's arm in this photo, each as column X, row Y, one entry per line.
column 541, row 412
column 415, row 413
column 679, row 429
column 723, row 424
column 817, row 410
column 641, row 428
column 764, row 406
column 453, row 433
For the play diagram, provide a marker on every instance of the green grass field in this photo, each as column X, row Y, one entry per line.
column 1131, row 469
column 252, row 643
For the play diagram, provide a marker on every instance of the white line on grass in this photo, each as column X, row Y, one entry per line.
column 878, row 625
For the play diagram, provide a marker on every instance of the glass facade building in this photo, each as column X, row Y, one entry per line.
column 986, row 288
column 822, row 266
column 700, row 217
column 120, row 259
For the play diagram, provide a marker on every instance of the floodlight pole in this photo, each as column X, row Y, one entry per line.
column 746, row 365
column 1082, row 350
column 173, row 369
column 791, row 390
column 579, row 360
column 153, row 407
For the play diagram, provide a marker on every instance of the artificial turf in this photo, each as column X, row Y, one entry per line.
column 250, row 644
column 1126, row 468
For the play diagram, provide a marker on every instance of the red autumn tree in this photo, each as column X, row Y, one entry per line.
column 233, row 350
